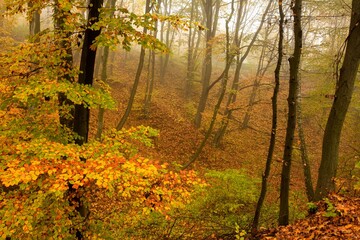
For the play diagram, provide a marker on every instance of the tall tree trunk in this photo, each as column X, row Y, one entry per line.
column 343, row 94
column 34, row 24
column 150, row 79
column 87, row 64
column 64, row 42
column 303, row 150
column 294, row 62
column 235, row 85
column 224, row 77
column 137, row 78
column 207, row 63
column 164, row 59
column 104, row 75
column 190, row 63
column 274, row 98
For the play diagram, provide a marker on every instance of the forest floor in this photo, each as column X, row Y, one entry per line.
column 335, row 218
column 241, row 148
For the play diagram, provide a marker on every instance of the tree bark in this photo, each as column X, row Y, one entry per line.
column 207, row 63
column 343, row 94
column 104, row 75
column 137, row 78
column 274, row 98
column 34, row 24
column 87, row 64
column 294, row 62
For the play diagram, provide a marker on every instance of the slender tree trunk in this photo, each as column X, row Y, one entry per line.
column 104, row 75
column 87, row 64
column 207, row 63
column 225, row 76
column 164, row 59
column 343, row 94
column 271, row 149
column 137, row 78
column 98, row 62
column 304, row 155
column 235, row 85
column 150, row 79
column 190, row 63
column 64, row 42
column 294, row 62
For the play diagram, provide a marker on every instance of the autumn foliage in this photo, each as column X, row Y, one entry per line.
column 43, row 173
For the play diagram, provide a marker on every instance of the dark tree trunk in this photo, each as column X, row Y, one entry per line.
column 294, row 62
column 87, row 64
column 343, row 94
column 271, row 149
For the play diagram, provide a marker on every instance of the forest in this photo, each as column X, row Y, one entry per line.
column 179, row 119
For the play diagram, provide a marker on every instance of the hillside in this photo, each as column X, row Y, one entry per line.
column 335, row 218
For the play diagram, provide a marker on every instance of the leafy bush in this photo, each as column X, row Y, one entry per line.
column 224, row 207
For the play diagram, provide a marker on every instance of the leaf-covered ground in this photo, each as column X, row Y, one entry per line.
column 337, row 217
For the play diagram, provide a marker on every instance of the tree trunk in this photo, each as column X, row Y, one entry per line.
column 104, row 75
column 207, row 63
column 64, row 43
column 304, row 155
column 150, row 80
column 271, row 149
column 235, row 85
column 164, row 59
column 137, row 78
column 34, row 24
column 294, row 62
column 87, row 64
column 190, row 63
column 224, row 77
column 343, row 94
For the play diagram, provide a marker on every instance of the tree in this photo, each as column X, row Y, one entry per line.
column 137, row 77
column 235, row 84
column 260, row 73
column 104, row 72
column 87, row 66
column 211, row 16
column 34, row 24
column 294, row 62
column 45, row 175
column 224, row 79
column 343, row 94
column 271, row 149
